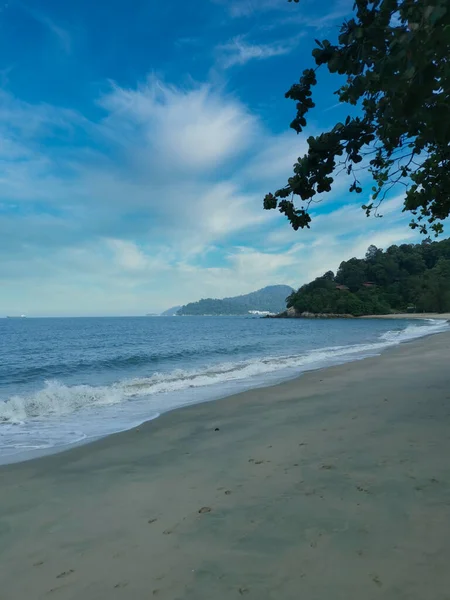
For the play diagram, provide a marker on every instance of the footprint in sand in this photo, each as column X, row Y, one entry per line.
column 204, row 509
column 65, row 573
column 377, row 580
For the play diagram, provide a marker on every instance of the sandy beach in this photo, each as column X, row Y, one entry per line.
column 332, row 486
column 443, row 316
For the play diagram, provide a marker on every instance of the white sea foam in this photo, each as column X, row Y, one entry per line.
column 56, row 399
column 412, row 332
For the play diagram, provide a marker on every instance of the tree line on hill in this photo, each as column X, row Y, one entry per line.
column 406, row 278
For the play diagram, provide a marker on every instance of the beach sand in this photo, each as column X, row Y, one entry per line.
column 334, row 486
column 443, row 316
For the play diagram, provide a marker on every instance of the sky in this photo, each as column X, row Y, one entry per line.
column 137, row 141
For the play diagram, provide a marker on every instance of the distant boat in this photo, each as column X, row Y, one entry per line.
column 17, row 317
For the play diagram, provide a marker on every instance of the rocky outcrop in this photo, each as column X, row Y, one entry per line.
column 291, row 313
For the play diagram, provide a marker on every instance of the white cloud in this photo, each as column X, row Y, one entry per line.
column 336, row 236
column 245, row 8
column 306, row 14
column 61, row 34
column 239, row 52
column 274, row 159
column 341, row 9
column 259, row 263
column 128, row 256
column 193, row 129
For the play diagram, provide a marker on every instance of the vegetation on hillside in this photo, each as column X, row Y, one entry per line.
column 394, row 58
column 212, row 306
column 270, row 299
column 406, row 278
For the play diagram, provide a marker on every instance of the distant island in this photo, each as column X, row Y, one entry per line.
column 271, row 299
column 411, row 278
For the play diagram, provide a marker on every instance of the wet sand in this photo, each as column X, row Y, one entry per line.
column 332, row 486
column 443, row 316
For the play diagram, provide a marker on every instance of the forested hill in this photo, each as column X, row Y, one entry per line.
column 271, row 299
column 406, row 278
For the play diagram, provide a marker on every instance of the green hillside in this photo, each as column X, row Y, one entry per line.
column 414, row 278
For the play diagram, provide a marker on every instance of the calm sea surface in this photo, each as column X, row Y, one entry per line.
column 66, row 381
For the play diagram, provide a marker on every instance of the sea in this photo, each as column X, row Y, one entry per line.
column 68, row 381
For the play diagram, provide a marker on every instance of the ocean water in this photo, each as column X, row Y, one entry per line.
column 68, row 381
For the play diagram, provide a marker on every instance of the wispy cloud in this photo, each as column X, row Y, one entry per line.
column 61, row 35
column 309, row 18
column 4, row 76
column 245, row 8
column 190, row 129
column 309, row 13
column 239, row 52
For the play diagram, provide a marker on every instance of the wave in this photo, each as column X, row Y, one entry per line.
column 412, row 332
column 57, row 399
column 123, row 361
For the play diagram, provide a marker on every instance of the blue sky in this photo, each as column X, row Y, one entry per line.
column 137, row 140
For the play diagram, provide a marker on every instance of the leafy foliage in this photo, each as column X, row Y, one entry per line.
column 394, row 55
column 406, row 278
column 271, row 298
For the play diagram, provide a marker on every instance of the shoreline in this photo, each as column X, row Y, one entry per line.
column 291, row 314
column 334, row 484
column 419, row 316
column 31, row 455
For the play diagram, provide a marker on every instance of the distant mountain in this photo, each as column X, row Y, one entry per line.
column 170, row 312
column 269, row 299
